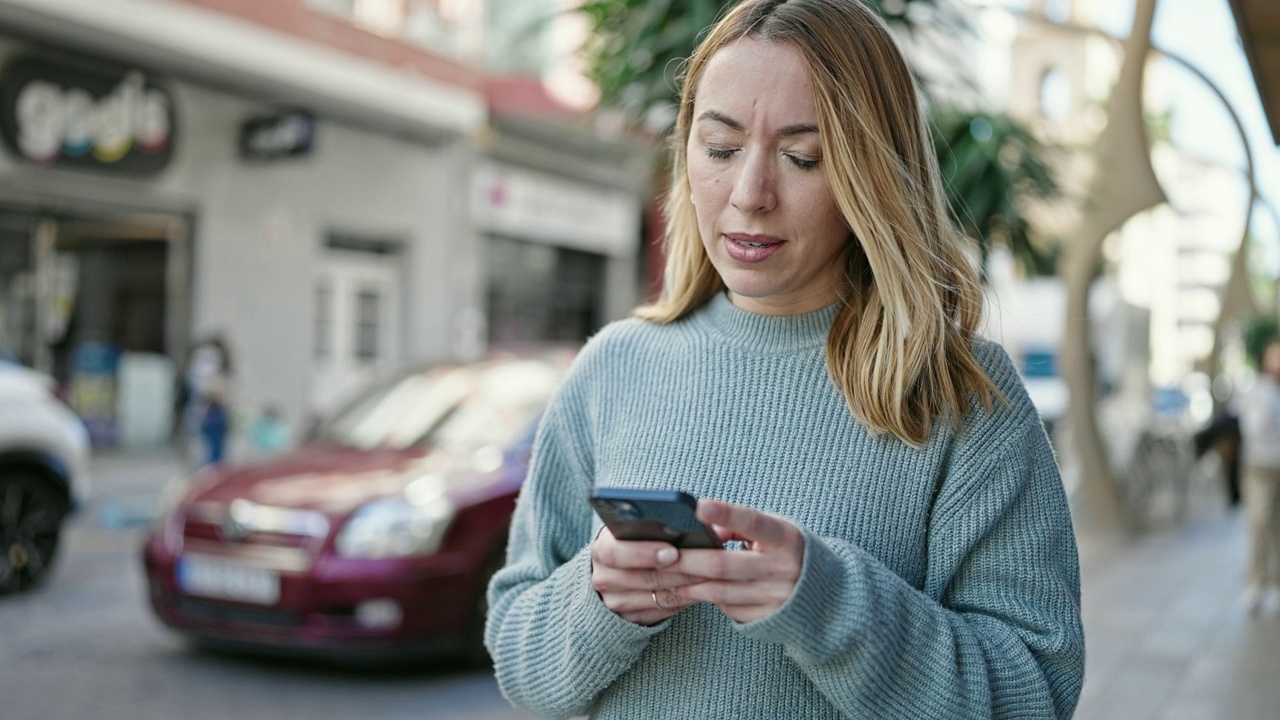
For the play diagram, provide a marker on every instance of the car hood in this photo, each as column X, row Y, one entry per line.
column 332, row 480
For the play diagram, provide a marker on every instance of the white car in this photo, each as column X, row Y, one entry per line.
column 44, row 458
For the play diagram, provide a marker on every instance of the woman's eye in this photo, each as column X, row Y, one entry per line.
column 803, row 163
column 718, row 154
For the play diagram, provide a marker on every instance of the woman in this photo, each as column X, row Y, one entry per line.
column 908, row 547
column 1260, row 425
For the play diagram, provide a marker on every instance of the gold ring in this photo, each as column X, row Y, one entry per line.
column 654, row 595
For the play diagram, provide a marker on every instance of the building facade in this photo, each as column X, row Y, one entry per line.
column 292, row 177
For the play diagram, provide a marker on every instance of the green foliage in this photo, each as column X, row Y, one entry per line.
column 1258, row 333
column 636, row 48
column 990, row 165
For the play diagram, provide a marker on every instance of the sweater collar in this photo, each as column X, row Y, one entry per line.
column 766, row 333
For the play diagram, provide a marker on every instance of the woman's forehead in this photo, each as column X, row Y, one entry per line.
column 757, row 81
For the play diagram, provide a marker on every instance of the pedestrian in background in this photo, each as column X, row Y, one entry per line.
column 812, row 371
column 269, row 434
column 1260, row 427
column 207, row 392
column 215, row 425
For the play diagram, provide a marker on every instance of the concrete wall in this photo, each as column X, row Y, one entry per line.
column 263, row 228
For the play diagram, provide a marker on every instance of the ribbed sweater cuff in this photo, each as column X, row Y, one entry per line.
column 606, row 633
column 821, row 603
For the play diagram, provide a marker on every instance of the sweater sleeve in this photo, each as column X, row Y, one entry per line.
column 996, row 630
column 554, row 644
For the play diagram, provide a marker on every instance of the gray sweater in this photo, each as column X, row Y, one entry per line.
column 941, row 582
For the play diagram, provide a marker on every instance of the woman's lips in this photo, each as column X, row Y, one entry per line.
column 751, row 248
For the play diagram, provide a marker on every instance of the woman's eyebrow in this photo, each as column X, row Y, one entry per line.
column 788, row 131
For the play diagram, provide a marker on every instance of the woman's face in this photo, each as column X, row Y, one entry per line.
column 1271, row 360
column 765, row 211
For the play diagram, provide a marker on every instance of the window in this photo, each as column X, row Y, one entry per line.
column 1058, row 11
column 542, row 293
column 517, row 35
column 341, row 8
column 368, row 325
column 1055, row 94
column 324, row 321
column 385, row 17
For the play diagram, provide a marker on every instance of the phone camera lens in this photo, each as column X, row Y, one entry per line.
column 626, row 511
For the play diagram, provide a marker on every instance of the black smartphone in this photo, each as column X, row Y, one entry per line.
column 665, row 515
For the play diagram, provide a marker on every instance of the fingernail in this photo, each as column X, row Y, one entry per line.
column 666, row 556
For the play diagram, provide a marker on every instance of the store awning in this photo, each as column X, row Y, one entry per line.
column 223, row 50
column 1259, row 25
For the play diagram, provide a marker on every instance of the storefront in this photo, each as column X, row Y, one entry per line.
column 560, row 253
column 141, row 212
column 95, row 291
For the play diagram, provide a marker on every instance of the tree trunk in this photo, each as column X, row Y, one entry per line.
column 1123, row 184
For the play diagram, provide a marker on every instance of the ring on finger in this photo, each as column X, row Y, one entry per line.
column 654, row 595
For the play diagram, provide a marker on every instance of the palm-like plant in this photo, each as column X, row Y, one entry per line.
column 991, row 165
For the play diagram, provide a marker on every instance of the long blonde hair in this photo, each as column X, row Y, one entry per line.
column 900, row 348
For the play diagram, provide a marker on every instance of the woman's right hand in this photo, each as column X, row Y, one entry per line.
column 629, row 578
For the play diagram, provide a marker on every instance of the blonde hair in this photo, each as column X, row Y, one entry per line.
column 900, row 347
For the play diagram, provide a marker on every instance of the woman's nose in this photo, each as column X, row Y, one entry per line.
column 753, row 189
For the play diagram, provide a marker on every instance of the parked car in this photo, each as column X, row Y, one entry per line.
column 375, row 539
column 44, row 476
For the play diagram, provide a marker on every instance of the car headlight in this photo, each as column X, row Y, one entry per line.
column 396, row 527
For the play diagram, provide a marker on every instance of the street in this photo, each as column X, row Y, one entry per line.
column 86, row 646
column 1166, row 637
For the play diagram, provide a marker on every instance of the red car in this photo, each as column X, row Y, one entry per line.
column 373, row 541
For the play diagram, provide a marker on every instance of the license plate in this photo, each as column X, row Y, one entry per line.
column 227, row 580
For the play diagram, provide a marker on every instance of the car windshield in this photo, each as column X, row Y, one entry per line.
column 455, row 409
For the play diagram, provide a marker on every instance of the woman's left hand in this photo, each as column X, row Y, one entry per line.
column 746, row 584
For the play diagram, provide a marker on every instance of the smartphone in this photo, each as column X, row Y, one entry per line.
column 665, row 515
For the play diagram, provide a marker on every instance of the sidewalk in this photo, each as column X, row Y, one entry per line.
column 1166, row 637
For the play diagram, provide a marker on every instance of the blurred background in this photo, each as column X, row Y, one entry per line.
column 275, row 208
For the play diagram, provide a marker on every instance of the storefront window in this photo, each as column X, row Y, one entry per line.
column 542, row 293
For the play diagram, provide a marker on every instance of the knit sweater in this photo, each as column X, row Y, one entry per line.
column 939, row 582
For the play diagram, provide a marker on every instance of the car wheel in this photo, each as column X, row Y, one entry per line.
column 473, row 647
column 31, row 513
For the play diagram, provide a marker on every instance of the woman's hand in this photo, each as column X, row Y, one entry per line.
column 745, row 584
column 633, row 579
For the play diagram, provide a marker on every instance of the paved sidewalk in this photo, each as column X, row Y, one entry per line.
column 1166, row 636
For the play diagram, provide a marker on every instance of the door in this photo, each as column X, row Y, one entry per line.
column 357, row 322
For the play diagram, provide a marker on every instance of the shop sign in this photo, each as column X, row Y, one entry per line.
column 85, row 115
column 532, row 205
column 285, row 135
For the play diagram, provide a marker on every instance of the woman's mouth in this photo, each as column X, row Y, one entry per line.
column 751, row 248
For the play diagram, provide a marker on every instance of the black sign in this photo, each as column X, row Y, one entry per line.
column 59, row 112
column 285, row 135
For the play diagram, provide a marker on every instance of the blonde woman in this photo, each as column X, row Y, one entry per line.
column 1260, row 427
column 812, row 372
